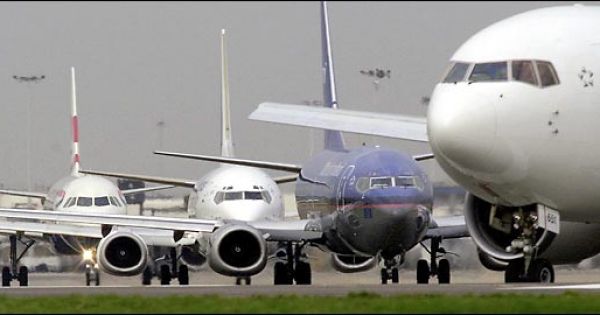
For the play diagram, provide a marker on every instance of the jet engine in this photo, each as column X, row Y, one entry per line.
column 237, row 250
column 352, row 263
column 122, row 253
column 492, row 228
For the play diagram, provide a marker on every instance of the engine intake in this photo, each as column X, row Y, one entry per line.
column 237, row 250
column 122, row 253
column 351, row 263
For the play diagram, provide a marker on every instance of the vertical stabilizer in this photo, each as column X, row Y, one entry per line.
column 226, row 139
column 74, row 127
column 333, row 139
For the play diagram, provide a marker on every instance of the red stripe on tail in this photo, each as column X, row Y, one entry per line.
column 75, row 129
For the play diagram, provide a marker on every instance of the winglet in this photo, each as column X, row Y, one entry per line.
column 333, row 139
column 226, row 137
column 74, row 127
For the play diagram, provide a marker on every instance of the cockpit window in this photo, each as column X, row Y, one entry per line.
column 84, row 201
column 253, row 195
column 70, row 202
column 233, row 195
column 101, row 201
column 221, row 196
column 547, row 73
column 457, row 73
column 115, row 201
column 266, row 196
column 522, row 70
column 381, row 182
column 491, row 71
column 405, row 181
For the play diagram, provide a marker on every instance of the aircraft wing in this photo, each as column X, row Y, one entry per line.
column 254, row 163
column 23, row 193
column 154, row 179
column 273, row 230
column 38, row 229
column 146, row 189
column 448, row 227
column 385, row 125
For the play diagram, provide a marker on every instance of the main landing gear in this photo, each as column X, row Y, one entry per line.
column 92, row 274
column 168, row 272
column 10, row 273
column 390, row 271
column 440, row 268
column 295, row 268
column 540, row 270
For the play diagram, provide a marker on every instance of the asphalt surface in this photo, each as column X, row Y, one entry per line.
column 332, row 283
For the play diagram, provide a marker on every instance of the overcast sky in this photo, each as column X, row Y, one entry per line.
column 138, row 63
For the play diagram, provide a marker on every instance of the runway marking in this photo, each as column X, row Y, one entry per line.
column 593, row 286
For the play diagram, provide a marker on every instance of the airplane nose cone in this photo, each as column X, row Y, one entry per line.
column 462, row 128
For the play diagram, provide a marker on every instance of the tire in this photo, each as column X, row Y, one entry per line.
column 384, row 276
column 514, row 271
column 97, row 272
column 302, row 274
column 443, row 271
column 147, row 276
column 395, row 275
column 248, row 280
column 183, row 275
column 238, row 281
column 541, row 271
column 88, row 280
column 279, row 273
column 165, row 275
column 422, row 271
column 23, row 276
column 6, row 277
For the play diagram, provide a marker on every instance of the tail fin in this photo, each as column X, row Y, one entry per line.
column 74, row 127
column 226, row 139
column 333, row 139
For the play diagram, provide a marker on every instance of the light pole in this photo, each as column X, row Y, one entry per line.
column 29, row 81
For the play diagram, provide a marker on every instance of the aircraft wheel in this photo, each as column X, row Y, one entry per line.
column 384, row 276
column 147, row 276
column 165, row 275
column 88, row 277
column 6, row 277
column 422, row 271
column 302, row 274
column 281, row 274
column 514, row 271
column 248, row 280
column 97, row 273
column 183, row 275
column 395, row 275
column 443, row 271
column 23, row 276
column 541, row 271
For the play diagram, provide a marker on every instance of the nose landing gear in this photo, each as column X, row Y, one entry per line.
column 440, row 268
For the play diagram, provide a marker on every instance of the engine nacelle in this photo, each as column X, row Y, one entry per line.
column 122, row 253
column 237, row 250
column 192, row 257
column 491, row 231
column 349, row 264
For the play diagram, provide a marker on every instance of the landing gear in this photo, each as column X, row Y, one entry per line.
column 390, row 271
column 440, row 268
column 10, row 273
column 295, row 268
column 540, row 270
column 168, row 271
column 239, row 280
column 92, row 275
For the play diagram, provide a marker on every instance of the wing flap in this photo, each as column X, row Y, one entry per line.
column 385, row 125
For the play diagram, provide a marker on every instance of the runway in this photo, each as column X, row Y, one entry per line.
column 325, row 283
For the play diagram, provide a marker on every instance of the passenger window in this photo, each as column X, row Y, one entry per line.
column 457, row 73
column 523, row 71
column 491, row 71
column 219, row 197
column 266, row 196
column 84, row 201
column 101, row 201
column 381, row 182
column 253, row 195
column 547, row 74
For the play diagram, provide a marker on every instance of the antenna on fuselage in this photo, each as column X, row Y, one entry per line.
column 333, row 139
column 74, row 127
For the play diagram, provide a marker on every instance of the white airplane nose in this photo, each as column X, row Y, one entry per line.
column 462, row 127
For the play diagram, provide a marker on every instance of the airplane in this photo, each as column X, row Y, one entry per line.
column 513, row 122
column 75, row 192
column 362, row 213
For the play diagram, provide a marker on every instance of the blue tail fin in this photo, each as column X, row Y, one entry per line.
column 333, row 139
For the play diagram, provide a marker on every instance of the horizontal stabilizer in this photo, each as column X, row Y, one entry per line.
column 423, row 157
column 152, row 179
column 23, row 193
column 146, row 189
column 253, row 163
column 448, row 227
column 285, row 179
column 385, row 125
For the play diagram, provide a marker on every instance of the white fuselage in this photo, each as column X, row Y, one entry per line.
column 238, row 193
column 514, row 143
